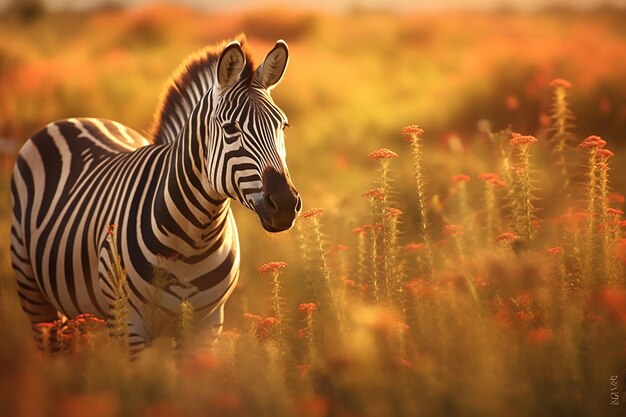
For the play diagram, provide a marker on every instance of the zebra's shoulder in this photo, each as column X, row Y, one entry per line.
column 108, row 134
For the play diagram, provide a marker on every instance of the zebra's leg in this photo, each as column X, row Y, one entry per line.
column 210, row 328
column 205, row 333
column 41, row 313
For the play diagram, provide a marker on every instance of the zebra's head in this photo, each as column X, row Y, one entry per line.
column 248, row 130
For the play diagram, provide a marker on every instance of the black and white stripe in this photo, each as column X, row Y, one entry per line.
column 218, row 136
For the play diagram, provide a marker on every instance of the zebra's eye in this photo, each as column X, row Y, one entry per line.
column 230, row 128
column 286, row 125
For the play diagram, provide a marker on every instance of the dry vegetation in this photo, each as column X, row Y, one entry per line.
column 469, row 270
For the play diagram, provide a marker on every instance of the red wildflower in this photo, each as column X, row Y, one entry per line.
column 512, row 102
column 86, row 319
column 480, row 281
column 615, row 212
column 45, row 326
column 452, row 230
column 411, row 133
column 593, row 142
column 340, row 248
column 383, row 153
column 489, row 177
column 313, row 405
column 303, row 369
column 460, row 178
column 611, row 301
column 307, row 308
column 272, row 267
column 559, row 82
column 414, row 247
column 312, row 213
column 605, row 153
column 262, row 326
column 349, row 283
column 230, row 334
column 373, row 194
column 358, row 230
column 557, row 250
column 376, row 227
column 506, row 237
column 412, row 130
column 540, row 335
column 253, row 317
column 520, row 140
column 393, row 212
column 421, row 289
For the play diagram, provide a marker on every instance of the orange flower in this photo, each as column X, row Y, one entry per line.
column 376, row 227
column 303, row 369
column 374, row 194
column 272, row 267
column 506, row 237
column 412, row 130
column 86, row 319
column 559, row 82
column 518, row 140
column 393, row 212
column 253, row 317
column 230, row 334
column 411, row 133
column 349, row 283
column 460, row 178
column 540, row 335
column 557, row 250
column 615, row 212
column 358, row 230
column 611, row 301
column 307, row 308
column 312, row 213
column 593, row 142
column 340, row 248
column 489, row 177
column 45, row 326
column 605, row 153
column 414, row 247
column 383, row 153
column 313, row 405
column 452, row 230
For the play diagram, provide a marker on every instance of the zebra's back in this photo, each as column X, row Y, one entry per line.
column 64, row 179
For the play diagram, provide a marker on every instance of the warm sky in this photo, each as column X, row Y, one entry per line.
column 338, row 5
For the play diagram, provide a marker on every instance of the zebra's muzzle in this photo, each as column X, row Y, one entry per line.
column 281, row 202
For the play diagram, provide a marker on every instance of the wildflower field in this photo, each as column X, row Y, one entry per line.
column 461, row 250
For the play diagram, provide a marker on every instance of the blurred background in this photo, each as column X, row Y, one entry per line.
column 359, row 72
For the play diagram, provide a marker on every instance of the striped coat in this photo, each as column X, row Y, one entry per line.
column 218, row 137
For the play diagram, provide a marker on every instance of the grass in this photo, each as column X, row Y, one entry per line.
column 497, row 288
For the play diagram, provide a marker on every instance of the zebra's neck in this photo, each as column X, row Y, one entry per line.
column 191, row 213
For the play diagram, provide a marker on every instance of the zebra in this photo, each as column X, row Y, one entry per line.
column 217, row 136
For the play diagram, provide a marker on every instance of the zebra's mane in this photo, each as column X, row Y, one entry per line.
column 185, row 89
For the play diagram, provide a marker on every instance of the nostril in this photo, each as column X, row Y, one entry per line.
column 270, row 204
column 298, row 204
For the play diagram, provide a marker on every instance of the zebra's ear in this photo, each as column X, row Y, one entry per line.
column 230, row 65
column 273, row 67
